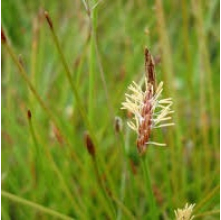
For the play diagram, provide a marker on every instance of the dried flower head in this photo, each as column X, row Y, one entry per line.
column 186, row 213
column 149, row 112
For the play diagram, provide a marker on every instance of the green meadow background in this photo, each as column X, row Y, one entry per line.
column 78, row 84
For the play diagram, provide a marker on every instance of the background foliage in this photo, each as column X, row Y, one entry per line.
column 104, row 53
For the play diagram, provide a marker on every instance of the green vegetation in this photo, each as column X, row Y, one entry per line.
column 68, row 77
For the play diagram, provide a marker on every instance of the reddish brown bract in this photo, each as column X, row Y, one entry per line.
column 89, row 144
column 144, row 129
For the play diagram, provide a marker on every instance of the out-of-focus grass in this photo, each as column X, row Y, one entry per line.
column 45, row 161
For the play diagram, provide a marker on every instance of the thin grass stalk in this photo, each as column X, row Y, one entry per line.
column 75, row 92
column 7, row 79
column 206, row 81
column 36, row 153
column 131, row 177
column 68, row 75
column 5, row 214
column 125, row 210
column 24, row 75
column 122, row 191
column 105, row 208
column 189, row 79
column 100, row 66
column 74, row 89
column 34, row 205
column 67, row 71
column 209, row 213
column 168, row 187
column 103, row 188
column 80, row 65
column 149, row 192
column 125, row 164
column 34, row 46
column 168, row 79
column 92, row 14
column 40, row 101
column 206, row 61
column 205, row 154
column 91, row 91
column 207, row 198
column 76, row 204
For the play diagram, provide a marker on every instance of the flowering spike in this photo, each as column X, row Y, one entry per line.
column 185, row 213
column 149, row 112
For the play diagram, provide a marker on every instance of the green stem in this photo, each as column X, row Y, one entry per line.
column 207, row 198
column 41, row 208
column 35, row 154
column 24, row 75
column 150, row 195
column 209, row 213
column 91, row 90
column 79, row 104
column 121, row 206
column 103, row 189
column 77, row 205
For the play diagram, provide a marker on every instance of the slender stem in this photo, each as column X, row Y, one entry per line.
column 209, row 213
column 80, row 106
column 41, row 208
column 168, row 68
column 77, row 205
column 24, row 75
column 36, row 154
column 91, row 91
column 103, row 189
column 126, row 211
column 207, row 198
column 124, row 173
column 150, row 195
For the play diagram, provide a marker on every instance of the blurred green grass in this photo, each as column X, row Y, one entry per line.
column 183, row 36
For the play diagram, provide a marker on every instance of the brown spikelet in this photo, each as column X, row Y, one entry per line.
column 149, row 69
column 89, row 144
column 48, row 19
column 3, row 37
column 29, row 114
column 144, row 129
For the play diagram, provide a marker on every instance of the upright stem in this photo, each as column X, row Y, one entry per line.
column 103, row 189
column 150, row 195
column 34, row 205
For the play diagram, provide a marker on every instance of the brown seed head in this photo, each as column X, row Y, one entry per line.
column 144, row 129
column 89, row 144
column 3, row 37
column 48, row 19
column 29, row 114
column 149, row 69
